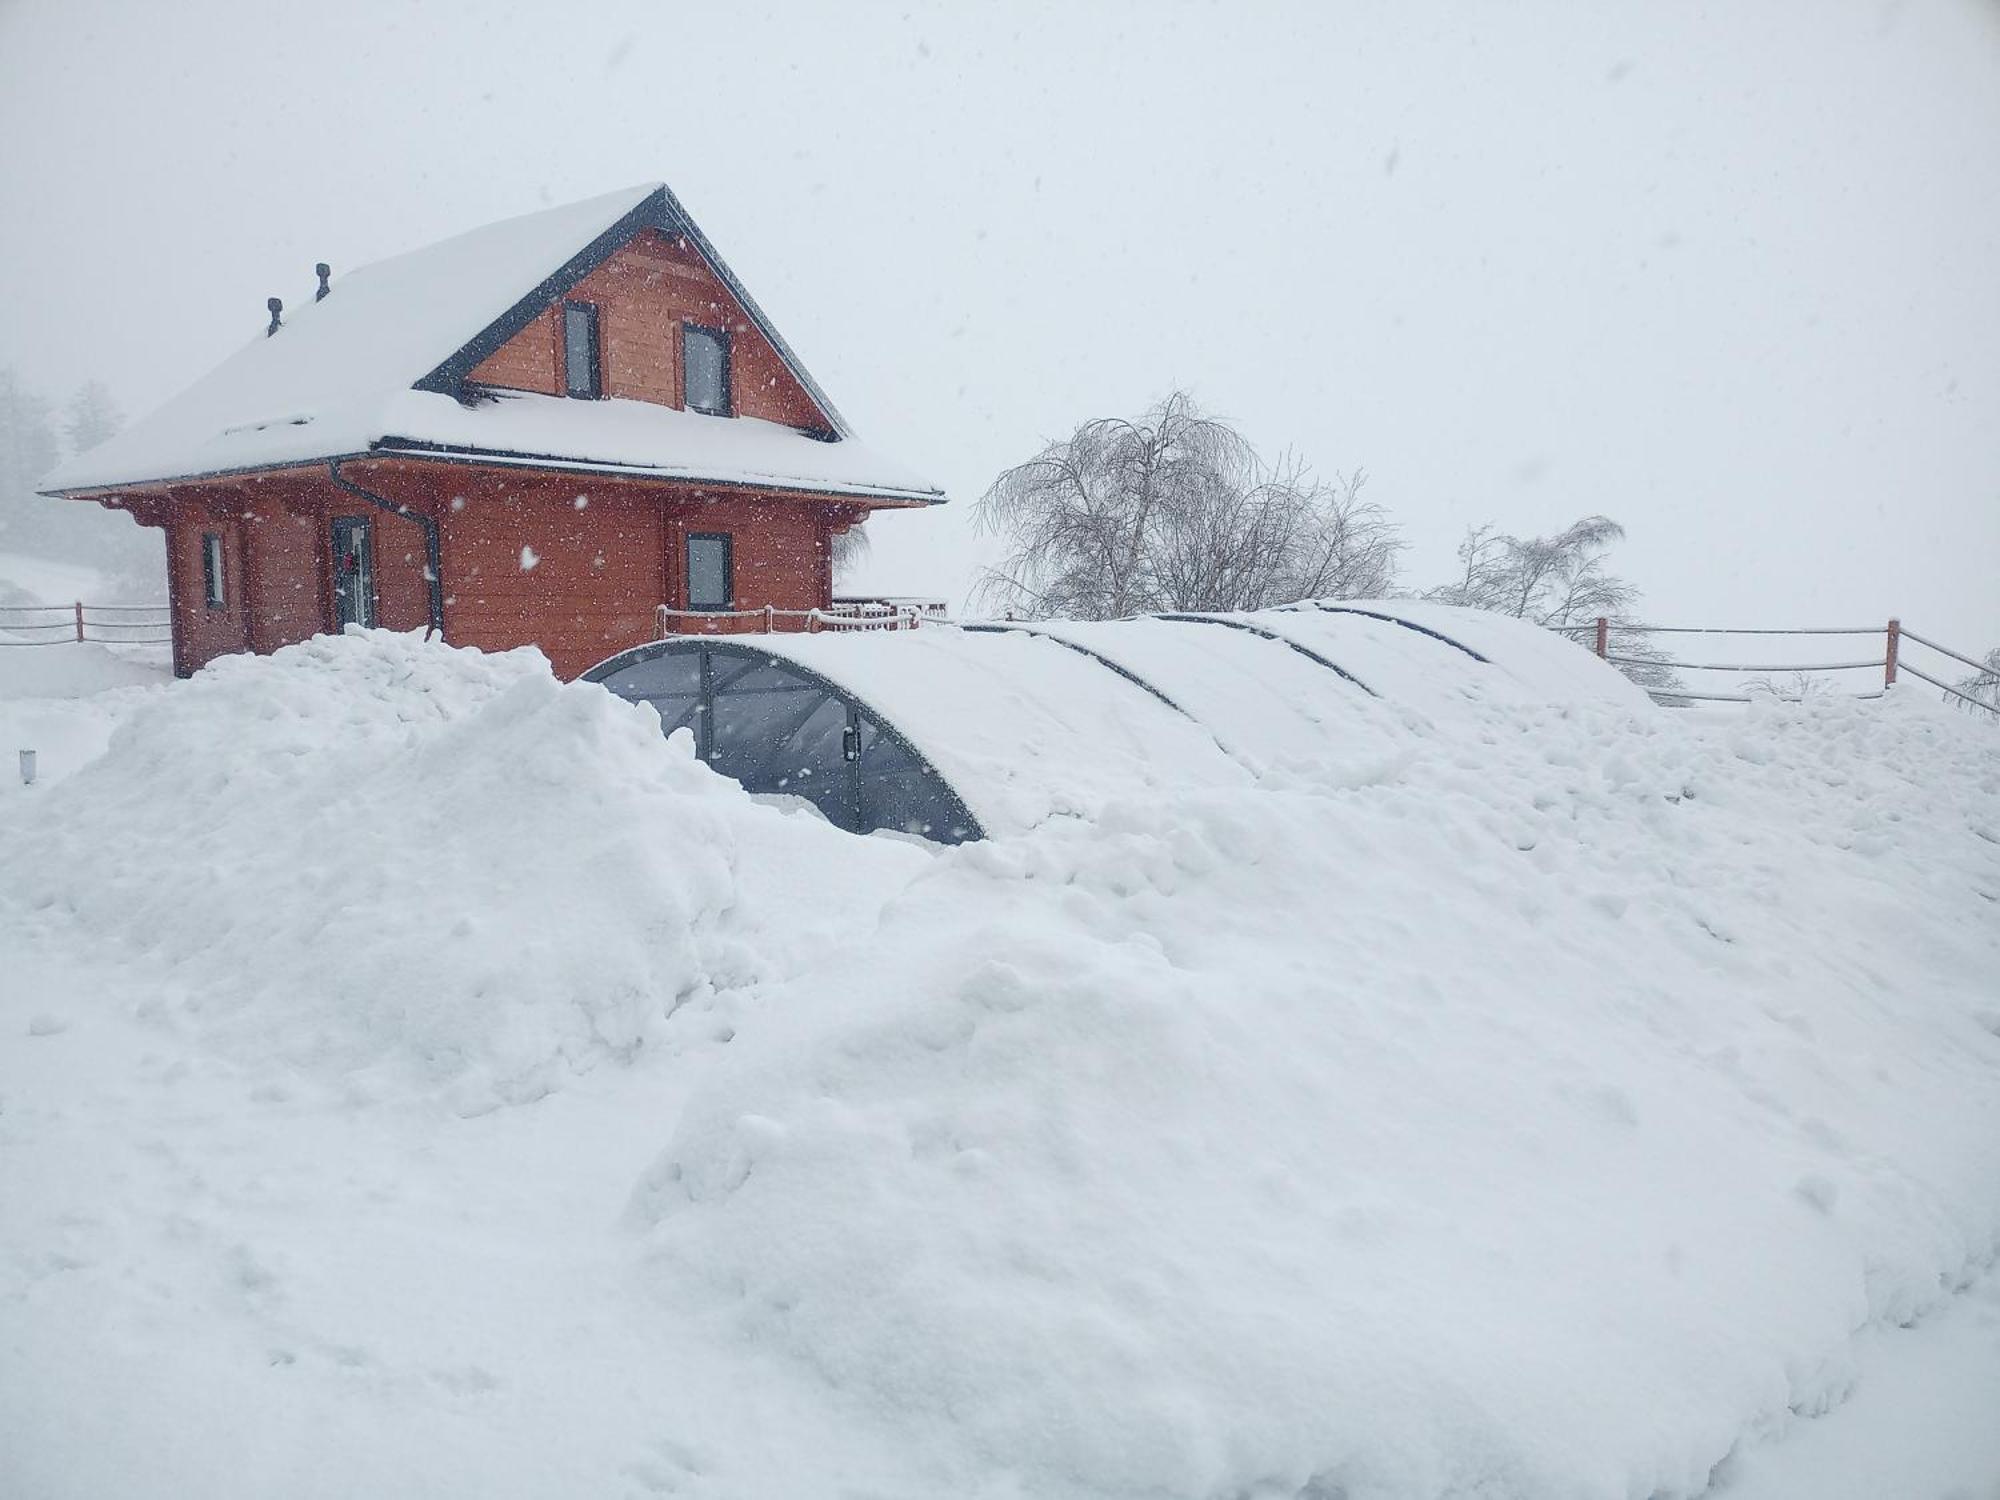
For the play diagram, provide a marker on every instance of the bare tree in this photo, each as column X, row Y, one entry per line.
column 1562, row 582
column 1176, row 511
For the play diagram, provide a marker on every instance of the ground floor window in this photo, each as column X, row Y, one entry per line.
column 353, row 571
column 214, row 584
column 711, row 570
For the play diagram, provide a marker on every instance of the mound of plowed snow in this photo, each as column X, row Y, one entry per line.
column 368, row 856
column 1549, row 1114
column 1536, row 1123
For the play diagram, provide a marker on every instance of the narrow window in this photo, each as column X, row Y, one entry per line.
column 711, row 569
column 705, row 369
column 214, row 585
column 580, row 361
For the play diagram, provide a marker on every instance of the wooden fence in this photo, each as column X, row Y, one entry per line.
column 1766, row 679
column 64, row 624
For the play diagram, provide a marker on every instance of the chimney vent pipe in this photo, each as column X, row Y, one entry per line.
column 277, row 306
column 323, row 271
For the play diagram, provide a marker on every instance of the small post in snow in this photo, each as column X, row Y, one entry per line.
column 1895, row 642
column 79, row 619
column 1603, row 637
column 27, row 768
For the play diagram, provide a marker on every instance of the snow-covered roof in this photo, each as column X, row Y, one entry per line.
column 369, row 369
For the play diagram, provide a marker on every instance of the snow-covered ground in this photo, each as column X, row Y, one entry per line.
column 417, row 1078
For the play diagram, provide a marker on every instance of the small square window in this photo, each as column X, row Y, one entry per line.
column 705, row 369
column 711, row 571
column 214, row 583
column 580, row 351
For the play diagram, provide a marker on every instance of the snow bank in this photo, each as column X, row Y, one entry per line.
column 369, row 855
column 1548, row 1113
column 1538, row 1122
column 78, row 669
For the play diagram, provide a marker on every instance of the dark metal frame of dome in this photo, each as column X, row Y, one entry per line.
column 857, row 707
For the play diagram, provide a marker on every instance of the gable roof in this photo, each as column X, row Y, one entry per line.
column 336, row 380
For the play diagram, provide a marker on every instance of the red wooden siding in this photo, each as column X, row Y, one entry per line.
column 602, row 554
column 526, row 564
column 643, row 294
column 202, row 633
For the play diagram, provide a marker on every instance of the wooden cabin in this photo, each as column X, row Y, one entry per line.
column 570, row 430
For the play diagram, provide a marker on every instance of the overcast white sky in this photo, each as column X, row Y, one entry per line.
column 1728, row 273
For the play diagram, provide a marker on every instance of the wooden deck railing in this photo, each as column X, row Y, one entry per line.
column 845, row 614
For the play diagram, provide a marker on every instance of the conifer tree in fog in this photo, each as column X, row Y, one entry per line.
column 1175, row 510
column 131, row 558
column 91, row 417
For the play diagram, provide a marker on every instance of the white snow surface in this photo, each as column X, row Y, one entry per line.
column 420, row 1078
column 337, row 378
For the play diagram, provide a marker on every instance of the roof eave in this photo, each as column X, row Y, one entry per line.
column 397, row 447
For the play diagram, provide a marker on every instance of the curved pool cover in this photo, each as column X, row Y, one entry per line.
column 960, row 732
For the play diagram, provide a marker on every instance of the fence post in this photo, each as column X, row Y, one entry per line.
column 1895, row 641
column 79, row 619
column 1603, row 636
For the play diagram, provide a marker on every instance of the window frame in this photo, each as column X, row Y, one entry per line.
column 728, row 540
column 595, row 390
column 214, row 571
column 728, row 347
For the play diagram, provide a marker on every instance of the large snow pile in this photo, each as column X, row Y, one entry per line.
column 1550, row 1114
column 374, row 854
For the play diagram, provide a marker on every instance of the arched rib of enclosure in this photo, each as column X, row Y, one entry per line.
column 1249, row 623
column 1419, row 671
column 1023, row 727
column 1266, row 701
column 1545, row 667
column 1376, row 614
column 997, row 627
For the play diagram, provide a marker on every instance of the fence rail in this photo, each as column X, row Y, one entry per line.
column 66, row 624
column 845, row 614
column 1894, row 660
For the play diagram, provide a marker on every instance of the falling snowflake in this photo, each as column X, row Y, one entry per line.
column 529, row 557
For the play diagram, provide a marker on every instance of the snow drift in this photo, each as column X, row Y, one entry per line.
column 1534, row 1123
column 369, row 854
column 1544, row 1114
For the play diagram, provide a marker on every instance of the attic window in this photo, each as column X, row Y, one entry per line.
column 705, row 369
column 581, row 377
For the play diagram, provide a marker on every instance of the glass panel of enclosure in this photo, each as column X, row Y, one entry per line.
column 897, row 790
column 671, row 683
column 777, row 732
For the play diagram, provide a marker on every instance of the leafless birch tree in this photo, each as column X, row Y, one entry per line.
column 1176, row 511
column 1560, row 581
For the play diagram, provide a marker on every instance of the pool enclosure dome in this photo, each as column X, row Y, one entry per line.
column 957, row 732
